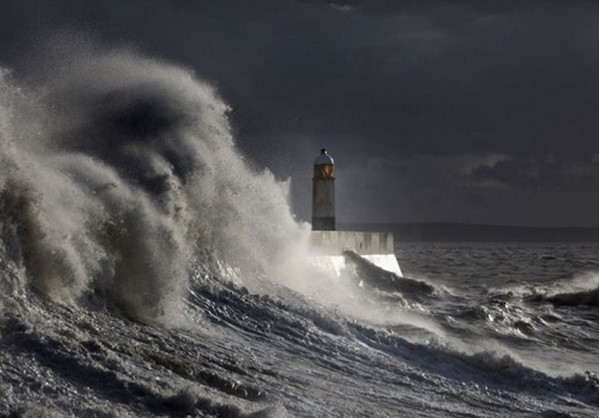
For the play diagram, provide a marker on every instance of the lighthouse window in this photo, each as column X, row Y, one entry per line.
column 324, row 171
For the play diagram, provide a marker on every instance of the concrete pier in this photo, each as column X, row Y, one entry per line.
column 364, row 243
column 329, row 249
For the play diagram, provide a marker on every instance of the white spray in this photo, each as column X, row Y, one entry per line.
column 117, row 171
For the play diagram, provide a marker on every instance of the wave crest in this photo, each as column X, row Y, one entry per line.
column 119, row 170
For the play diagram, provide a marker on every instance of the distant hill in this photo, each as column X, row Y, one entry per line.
column 454, row 232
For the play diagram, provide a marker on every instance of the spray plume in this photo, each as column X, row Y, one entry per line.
column 119, row 171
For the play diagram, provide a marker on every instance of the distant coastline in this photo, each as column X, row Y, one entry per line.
column 456, row 232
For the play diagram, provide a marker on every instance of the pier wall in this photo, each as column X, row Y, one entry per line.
column 376, row 247
column 364, row 243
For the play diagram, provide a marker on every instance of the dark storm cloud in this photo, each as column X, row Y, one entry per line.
column 530, row 173
column 430, row 84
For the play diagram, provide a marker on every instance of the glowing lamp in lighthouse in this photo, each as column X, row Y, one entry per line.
column 323, row 193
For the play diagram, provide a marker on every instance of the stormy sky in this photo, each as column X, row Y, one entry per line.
column 435, row 111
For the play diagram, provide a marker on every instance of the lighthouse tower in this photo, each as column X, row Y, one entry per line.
column 323, row 193
column 332, row 248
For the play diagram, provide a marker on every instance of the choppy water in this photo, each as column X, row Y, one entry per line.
column 146, row 269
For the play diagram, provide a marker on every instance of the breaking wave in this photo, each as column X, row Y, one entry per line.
column 119, row 175
column 372, row 275
column 579, row 291
column 582, row 298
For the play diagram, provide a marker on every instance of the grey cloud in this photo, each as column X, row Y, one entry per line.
column 391, row 80
column 530, row 173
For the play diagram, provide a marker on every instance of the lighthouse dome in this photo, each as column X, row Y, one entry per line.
column 324, row 158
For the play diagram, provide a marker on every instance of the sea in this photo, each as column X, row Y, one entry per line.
column 148, row 269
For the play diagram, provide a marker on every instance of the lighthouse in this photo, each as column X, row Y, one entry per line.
column 323, row 193
column 332, row 248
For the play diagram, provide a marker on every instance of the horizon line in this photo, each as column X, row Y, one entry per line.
column 439, row 223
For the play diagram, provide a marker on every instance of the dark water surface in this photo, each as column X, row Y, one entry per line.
column 472, row 330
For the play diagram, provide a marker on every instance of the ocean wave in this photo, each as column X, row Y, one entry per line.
column 582, row 290
column 583, row 298
column 118, row 172
column 373, row 276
